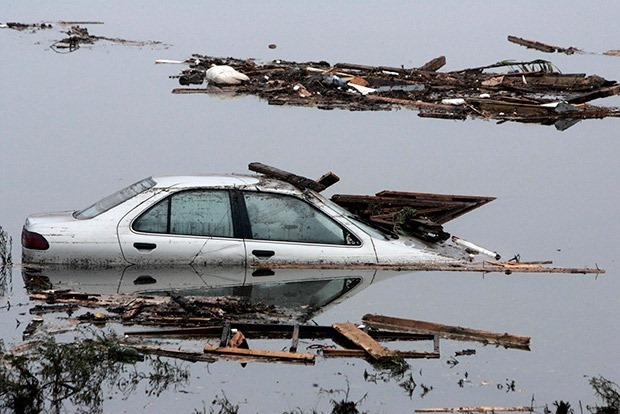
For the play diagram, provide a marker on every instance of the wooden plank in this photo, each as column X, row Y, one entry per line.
column 260, row 353
column 363, row 340
column 360, row 353
column 452, row 332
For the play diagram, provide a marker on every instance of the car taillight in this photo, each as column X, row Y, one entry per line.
column 35, row 241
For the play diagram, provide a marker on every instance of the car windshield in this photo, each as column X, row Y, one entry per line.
column 368, row 228
column 115, row 199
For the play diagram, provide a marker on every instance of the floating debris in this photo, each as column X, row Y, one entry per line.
column 77, row 35
column 529, row 92
column 447, row 331
column 543, row 47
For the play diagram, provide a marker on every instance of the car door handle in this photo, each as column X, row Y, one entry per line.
column 144, row 246
column 263, row 253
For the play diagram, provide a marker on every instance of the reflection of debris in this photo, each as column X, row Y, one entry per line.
column 32, row 327
column 447, row 331
column 150, row 310
column 522, row 94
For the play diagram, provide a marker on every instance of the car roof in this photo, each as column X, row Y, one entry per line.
column 241, row 181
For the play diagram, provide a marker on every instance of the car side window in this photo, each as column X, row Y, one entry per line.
column 192, row 213
column 284, row 218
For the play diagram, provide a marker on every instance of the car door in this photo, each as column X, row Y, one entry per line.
column 285, row 230
column 186, row 227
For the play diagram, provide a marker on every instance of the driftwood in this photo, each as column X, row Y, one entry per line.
column 452, row 332
column 527, row 92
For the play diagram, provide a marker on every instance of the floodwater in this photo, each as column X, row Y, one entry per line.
column 79, row 126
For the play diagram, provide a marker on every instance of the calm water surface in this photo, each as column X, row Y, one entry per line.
column 79, row 126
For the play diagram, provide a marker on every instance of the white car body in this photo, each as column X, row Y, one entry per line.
column 111, row 232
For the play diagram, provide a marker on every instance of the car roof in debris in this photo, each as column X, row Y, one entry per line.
column 257, row 182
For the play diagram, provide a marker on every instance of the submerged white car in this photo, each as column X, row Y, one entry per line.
column 218, row 220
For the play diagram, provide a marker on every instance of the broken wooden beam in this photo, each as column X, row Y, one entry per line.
column 447, row 331
column 543, row 47
column 328, row 179
column 360, row 353
column 289, row 177
column 363, row 340
column 433, row 65
column 260, row 354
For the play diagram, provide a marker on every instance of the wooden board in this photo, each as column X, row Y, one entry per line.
column 363, row 340
column 260, row 353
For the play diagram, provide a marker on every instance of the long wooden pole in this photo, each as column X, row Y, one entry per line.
column 453, row 332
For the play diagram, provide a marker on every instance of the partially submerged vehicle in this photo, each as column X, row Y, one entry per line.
column 226, row 220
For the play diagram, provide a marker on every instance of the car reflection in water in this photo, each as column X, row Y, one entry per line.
column 304, row 292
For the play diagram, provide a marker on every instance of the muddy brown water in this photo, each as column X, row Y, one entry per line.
column 79, row 126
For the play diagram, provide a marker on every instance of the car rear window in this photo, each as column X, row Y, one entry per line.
column 115, row 199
